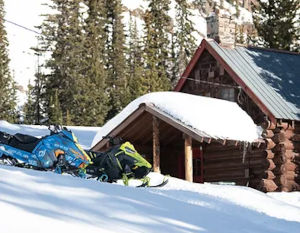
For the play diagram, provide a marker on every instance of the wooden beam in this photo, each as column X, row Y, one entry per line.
column 188, row 158
column 175, row 123
column 99, row 146
column 137, row 128
column 189, row 68
column 156, row 146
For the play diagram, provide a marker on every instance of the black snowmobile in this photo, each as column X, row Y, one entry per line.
column 121, row 161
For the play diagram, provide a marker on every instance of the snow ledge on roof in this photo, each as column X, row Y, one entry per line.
column 218, row 118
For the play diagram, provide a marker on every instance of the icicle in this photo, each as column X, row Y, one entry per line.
column 245, row 146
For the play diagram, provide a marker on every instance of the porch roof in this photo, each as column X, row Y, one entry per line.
column 204, row 119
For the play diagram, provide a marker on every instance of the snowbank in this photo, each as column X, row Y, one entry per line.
column 218, row 118
column 33, row 201
column 85, row 135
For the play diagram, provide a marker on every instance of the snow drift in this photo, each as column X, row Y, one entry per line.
column 32, row 201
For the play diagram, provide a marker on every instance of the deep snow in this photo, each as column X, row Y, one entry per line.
column 33, row 201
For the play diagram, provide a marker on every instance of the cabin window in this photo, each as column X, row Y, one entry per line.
column 227, row 94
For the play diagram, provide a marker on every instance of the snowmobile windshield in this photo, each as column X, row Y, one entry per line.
column 139, row 161
column 70, row 135
column 79, row 151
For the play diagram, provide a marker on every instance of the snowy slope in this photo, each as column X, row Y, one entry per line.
column 32, row 201
column 199, row 112
column 85, row 135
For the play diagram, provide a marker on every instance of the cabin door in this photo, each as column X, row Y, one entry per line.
column 197, row 166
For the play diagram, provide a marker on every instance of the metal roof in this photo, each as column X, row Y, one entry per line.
column 273, row 76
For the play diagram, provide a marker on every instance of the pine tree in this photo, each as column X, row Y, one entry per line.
column 63, row 36
column 275, row 21
column 175, row 63
column 29, row 107
column 184, row 39
column 115, row 58
column 55, row 113
column 157, row 44
column 34, row 107
column 7, row 84
column 92, row 99
column 135, row 62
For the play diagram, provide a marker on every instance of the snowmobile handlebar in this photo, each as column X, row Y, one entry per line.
column 56, row 128
column 114, row 140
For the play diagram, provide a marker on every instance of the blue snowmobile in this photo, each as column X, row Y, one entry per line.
column 58, row 151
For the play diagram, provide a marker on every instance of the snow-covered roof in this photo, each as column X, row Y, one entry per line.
column 214, row 118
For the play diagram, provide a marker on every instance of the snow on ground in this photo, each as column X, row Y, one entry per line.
column 34, row 201
column 201, row 113
column 85, row 135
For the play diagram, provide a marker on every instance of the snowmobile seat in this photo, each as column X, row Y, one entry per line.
column 24, row 142
column 4, row 137
column 23, row 138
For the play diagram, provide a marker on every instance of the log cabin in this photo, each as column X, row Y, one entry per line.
column 265, row 83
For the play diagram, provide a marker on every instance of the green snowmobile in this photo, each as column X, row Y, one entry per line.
column 121, row 161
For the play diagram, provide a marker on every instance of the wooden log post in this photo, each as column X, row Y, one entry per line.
column 188, row 154
column 156, row 146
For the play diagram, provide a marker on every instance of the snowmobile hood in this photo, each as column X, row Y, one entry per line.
column 129, row 149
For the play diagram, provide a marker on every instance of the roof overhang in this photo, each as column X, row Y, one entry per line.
column 149, row 108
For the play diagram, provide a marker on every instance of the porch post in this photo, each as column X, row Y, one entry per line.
column 188, row 161
column 156, row 146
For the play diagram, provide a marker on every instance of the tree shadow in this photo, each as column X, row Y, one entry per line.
column 108, row 206
column 281, row 71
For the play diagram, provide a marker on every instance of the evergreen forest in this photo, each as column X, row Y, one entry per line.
column 96, row 64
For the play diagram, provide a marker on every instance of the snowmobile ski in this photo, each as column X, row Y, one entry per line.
column 163, row 183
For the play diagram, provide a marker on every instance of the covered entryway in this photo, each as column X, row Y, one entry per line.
column 179, row 148
column 197, row 163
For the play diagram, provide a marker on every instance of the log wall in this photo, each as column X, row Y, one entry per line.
column 283, row 142
column 209, row 78
column 242, row 164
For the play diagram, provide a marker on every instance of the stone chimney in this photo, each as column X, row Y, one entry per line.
column 221, row 28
